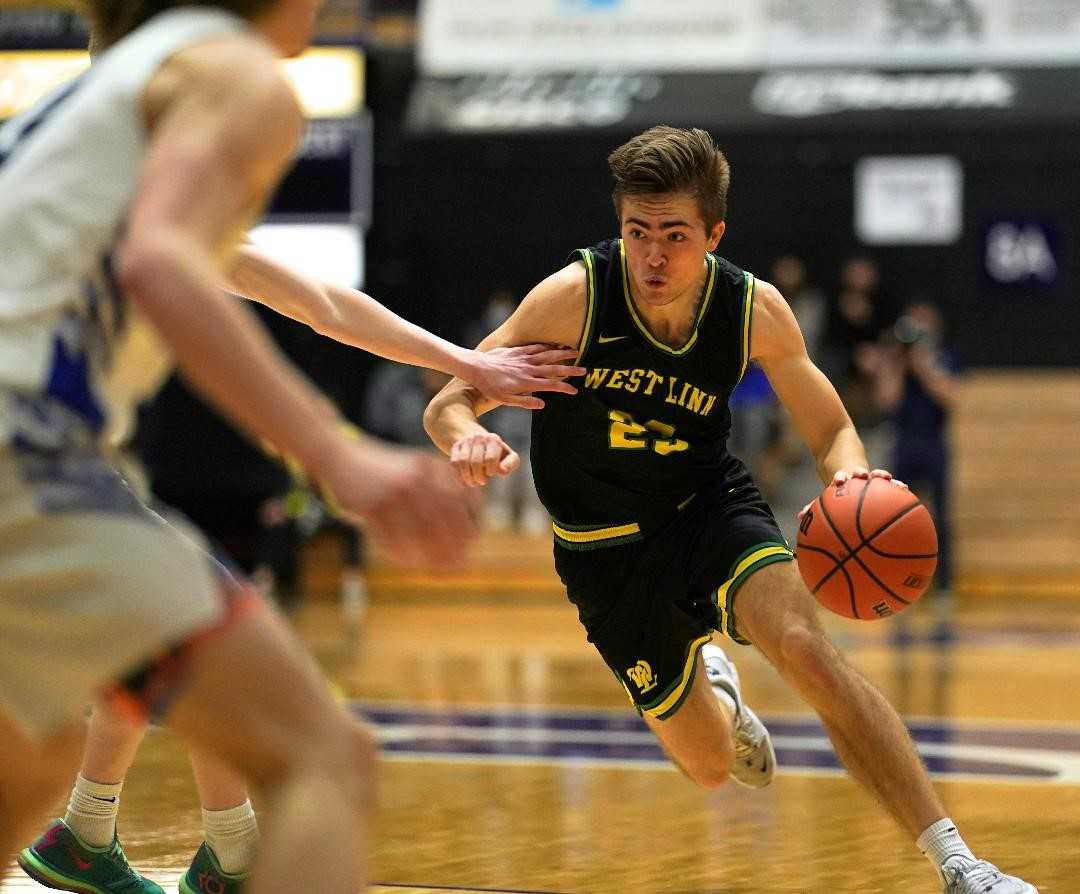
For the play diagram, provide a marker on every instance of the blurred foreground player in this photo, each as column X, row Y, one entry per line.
column 661, row 536
column 81, row 852
column 121, row 198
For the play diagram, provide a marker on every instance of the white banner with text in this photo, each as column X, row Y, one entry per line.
column 459, row 37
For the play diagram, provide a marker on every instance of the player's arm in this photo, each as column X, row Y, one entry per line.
column 214, row 155
column 223, row 126
column 552, row 313
column 349, row 316
column 777, row 345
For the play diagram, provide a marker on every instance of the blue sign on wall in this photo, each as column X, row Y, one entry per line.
column 1022, row 252
column 588, row 5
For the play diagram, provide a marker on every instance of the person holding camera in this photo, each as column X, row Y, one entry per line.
column 917, row 383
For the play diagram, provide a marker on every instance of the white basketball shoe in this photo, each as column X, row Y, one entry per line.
column 963, row 876
column 755, row 759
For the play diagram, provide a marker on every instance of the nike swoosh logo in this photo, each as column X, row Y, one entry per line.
column 604, row 339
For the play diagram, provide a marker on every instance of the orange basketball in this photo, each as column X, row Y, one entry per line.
column 867, row 549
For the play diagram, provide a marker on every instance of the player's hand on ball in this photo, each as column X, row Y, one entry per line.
column 845, row 475
column 409, row 501
column 478, row 458
column 510, row 375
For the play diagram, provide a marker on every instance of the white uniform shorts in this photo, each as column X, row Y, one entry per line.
column 99, row 594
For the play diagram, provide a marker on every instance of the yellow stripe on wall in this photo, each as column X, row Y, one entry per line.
column 328, row 81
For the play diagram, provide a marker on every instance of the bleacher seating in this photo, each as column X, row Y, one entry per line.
column 1016, row 437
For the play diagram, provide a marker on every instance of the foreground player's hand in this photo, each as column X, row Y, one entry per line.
column 479, row 457
column 511, row 375
column 409, row 501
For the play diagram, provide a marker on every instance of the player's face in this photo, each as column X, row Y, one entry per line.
column 666, row 242
column 290, row 26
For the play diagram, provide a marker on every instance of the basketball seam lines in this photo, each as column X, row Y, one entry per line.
column 868, row 542
column 839, row 562
column 865, row 541
column 852, row 554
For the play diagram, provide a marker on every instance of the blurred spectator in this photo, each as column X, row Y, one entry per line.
column 851, row 338
column 199, row 464
column 754, row 425
column 396, row 398
column 917, row 384
column 511, row 501
column 807, row 302
column 782, row 449
column 500, row 305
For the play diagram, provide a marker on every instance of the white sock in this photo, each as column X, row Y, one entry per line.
column 233, row 836
column 941, row 841
column 91, row 811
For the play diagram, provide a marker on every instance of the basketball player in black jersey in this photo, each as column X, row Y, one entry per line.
column 661, row 536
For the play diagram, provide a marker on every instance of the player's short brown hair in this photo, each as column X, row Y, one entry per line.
column 112, row 20
column 670, row 159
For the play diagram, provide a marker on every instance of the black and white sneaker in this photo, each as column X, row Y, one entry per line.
column 755, row 759
column 963, row 876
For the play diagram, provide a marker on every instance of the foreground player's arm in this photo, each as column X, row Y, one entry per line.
column 223, row 127
column 552, row 313
column 816, row 409
column 349, row 316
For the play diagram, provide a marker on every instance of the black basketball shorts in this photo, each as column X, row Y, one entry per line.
column 650, row 605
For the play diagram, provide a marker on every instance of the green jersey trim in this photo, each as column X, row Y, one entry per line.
column 754, row 559
column 747, row 316
column 673, row 698
column 590, row 301
column 706, row 299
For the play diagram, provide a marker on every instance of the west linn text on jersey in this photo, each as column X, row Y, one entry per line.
column 671, row 388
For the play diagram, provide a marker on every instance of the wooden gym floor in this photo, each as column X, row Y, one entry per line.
column 513, row 763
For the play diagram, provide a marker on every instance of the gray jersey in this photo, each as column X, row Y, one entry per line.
column 74, row 358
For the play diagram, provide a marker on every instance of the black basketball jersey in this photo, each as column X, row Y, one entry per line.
column 648, row 427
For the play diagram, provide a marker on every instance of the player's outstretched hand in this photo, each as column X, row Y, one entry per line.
column 511, row 375
column 477, row 458
column 409, row 501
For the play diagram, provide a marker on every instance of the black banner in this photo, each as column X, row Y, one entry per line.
column 333, row 172
column 42, row 29
column 795, row 99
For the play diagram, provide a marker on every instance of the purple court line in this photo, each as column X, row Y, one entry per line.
column 649, row 753
column 923, row 731
column 621, row 738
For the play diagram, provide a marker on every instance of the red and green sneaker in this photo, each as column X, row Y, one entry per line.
column 59, row 860
column 205, row 876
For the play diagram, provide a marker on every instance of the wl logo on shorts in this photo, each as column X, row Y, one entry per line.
column 642, row 676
